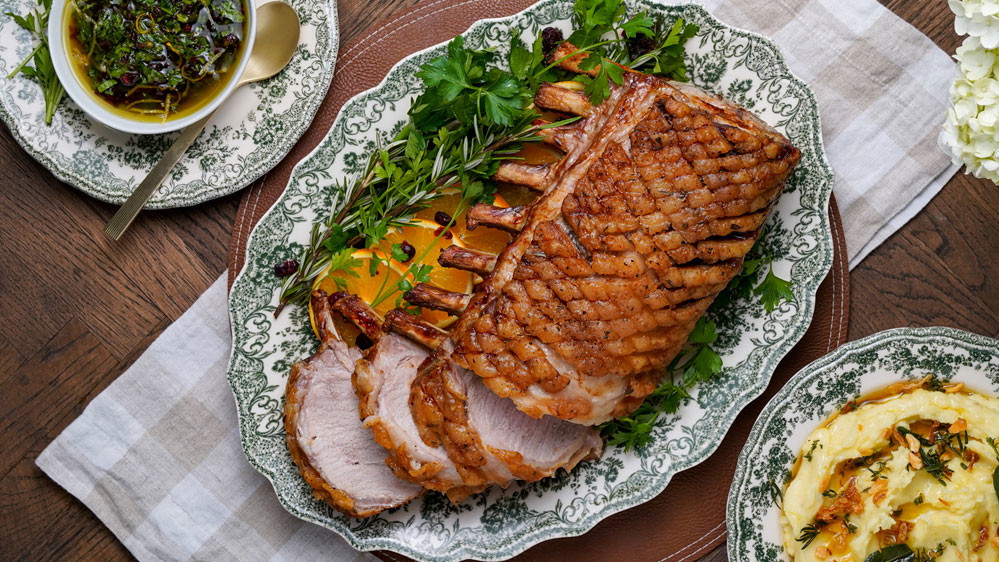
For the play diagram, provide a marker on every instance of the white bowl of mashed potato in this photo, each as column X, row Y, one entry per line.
column 885, row 450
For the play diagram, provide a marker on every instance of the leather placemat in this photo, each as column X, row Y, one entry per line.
column 687, row 520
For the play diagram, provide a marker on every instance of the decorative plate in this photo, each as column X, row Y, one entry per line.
column 823, row 387
column 499, row 523
column 248, row 136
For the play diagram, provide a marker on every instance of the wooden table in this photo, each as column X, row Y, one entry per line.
column 77, row 309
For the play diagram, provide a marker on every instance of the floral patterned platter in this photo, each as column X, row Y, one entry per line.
column 820, row 389
column 248, row 136
column 498, row 524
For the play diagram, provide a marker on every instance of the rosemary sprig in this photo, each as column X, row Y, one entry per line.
column 808, row 534
column 43, row 71
column 394, row 186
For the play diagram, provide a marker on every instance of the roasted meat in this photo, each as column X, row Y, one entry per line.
column 508, row 445
column 661, row 193
column 334, row 452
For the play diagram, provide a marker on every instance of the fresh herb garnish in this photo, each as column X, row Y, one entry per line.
column 808, row 455
column 830, row 493
column 850, row 527
column 904, row 553
column 877, row 471
column 995, row 473
column 930, row 450
column 773, row 290
column 808, row 534
column 893, row 553
column 43, row 72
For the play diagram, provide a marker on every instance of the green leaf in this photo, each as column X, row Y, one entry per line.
column 893, row 553
column 373, row 264
column 995, row 481
column 704, row 332
column 593, row 19
column 638, row 25
column 773, row 291
column 415, row 144
column 103, row 86
column 398, row 254
column 345, row 263
column 520, row 58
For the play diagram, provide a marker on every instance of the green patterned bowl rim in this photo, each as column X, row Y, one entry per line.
column 808, row 273
column 207, row 192
column 828, row 370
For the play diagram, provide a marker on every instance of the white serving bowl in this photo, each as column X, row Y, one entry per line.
column 80, row 90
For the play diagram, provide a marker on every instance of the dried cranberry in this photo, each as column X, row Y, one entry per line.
column 407, row 249
column 447, row 234
column 641, row 45
column 129, row 79
column 286, row 268
column 442, row 218
column 550, row 38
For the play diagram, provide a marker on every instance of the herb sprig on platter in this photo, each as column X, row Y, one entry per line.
column 43, row 72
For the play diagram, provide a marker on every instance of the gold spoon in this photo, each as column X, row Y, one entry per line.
column 277, row 38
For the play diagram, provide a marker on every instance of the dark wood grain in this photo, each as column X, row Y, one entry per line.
column 78, row 310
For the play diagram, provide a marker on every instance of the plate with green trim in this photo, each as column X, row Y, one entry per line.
column 247, row 137
column 822, row 388
column 499, row 524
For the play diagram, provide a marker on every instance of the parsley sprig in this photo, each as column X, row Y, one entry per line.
column 43, row 71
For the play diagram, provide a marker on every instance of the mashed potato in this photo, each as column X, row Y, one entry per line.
column 915, row 468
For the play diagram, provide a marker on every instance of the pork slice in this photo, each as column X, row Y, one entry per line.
column 487, row 437
column 336, row 455
column 382, row 382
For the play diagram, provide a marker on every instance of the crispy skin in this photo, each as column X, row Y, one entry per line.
column 662, row 192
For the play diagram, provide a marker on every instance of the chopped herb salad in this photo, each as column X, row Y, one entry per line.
column 156, row 57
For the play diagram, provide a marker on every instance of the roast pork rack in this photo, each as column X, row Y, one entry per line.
column 662, row 191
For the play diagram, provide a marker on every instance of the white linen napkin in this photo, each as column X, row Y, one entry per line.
column 157, row 455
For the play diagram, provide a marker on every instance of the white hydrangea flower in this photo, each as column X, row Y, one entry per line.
column 971, row 129
column 977, row 18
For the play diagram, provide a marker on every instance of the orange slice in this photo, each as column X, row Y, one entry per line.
column 363, row 285
column 428, row 239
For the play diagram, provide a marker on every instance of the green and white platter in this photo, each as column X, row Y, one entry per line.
column 822, row 388
column 498, row 524
column 248, row 136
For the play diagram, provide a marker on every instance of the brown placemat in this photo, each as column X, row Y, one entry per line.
column 687, row 520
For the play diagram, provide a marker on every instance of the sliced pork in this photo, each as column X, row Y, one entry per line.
column 499, row 443
column 336, row 455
